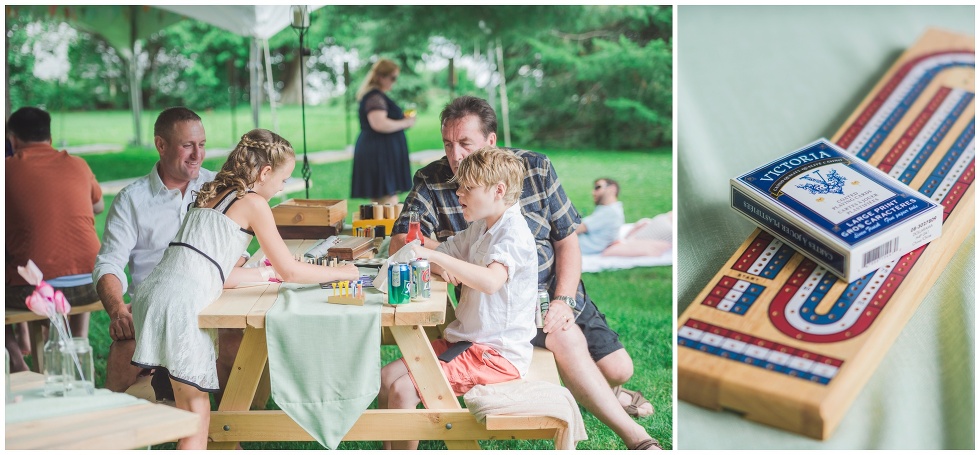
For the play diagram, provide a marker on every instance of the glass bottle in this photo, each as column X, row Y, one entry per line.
column 414, row 228
column 54, row 365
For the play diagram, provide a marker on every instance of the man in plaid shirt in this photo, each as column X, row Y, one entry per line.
column 588, row 353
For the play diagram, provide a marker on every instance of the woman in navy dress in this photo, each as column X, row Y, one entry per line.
column 381, row 166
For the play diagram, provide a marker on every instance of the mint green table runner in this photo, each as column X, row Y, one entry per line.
column 32, row 405
column 324, row 359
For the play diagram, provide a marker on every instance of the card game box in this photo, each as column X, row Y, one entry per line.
column 837, row 209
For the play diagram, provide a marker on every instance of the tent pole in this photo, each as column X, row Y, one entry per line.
column 347, row 102
column 268, row 85
column 135, row 93
column 232, row 88
column 505, row 107
column 253, row 74
column 307, row 172
column 452, row 78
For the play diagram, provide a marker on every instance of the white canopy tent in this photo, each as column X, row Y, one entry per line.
column 256, row 22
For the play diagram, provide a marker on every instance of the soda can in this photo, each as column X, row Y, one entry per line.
column 399, row 283
column 544, row 302
column 421, row 276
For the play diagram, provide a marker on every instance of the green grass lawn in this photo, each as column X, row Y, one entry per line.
column 637, row 302
column 325, row 127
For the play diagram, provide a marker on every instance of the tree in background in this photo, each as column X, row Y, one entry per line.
column 576, row 76
column 194, row 64
column 605, row 81
column 95, row 77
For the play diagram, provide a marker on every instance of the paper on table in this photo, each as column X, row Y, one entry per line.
column 403, row 255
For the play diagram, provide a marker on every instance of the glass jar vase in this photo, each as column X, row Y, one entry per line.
column 54, row 364
column 78, row 367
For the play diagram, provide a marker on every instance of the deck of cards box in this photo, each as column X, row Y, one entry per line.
column 843, row 213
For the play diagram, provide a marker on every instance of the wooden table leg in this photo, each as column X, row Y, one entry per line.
column 433, row 386
column 35, row 330
column 253, row 356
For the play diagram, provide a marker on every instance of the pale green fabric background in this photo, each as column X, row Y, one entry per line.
column 754, row 84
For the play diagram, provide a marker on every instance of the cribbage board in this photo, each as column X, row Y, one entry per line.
column 781, row 341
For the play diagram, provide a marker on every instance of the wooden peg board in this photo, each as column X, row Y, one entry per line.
column 776, row 338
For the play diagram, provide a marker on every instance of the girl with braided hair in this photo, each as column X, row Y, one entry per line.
column 201, row 261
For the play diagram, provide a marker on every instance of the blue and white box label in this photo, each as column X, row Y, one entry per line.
column 838, row 210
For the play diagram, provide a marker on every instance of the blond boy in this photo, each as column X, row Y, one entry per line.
column 495, row 260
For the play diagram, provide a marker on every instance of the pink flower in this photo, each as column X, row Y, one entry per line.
column 61, row 304
column 45, row 290
column 45, row 300
column 39, row 305
column 31, row 273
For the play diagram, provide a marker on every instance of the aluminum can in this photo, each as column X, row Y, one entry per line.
column 421, row 280
column 544, row 302
column 399, row 283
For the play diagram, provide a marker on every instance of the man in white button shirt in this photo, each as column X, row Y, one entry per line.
column 143, row 219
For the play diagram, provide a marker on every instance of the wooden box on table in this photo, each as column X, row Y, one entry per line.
column 310, row 218
column 351, row 248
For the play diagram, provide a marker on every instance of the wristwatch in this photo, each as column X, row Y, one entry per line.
column 568, row 300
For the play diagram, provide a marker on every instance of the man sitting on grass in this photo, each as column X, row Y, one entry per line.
column 495, row 258
column 601, row 228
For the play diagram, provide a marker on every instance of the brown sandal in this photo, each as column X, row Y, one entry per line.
column 636, row 400
column 647, row 444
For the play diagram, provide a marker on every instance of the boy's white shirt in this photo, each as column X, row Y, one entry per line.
column 503, row 320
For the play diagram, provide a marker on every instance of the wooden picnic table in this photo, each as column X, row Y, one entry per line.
column 443, row 419
column 128, row 427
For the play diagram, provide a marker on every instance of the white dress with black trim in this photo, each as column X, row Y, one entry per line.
column 189, row 277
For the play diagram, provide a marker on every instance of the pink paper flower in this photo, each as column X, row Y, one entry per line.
column 31, row 273
column 40, row 305
column 45, row 290
column 61, row 304
column 45, row 300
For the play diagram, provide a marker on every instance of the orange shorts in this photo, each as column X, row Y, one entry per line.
column 480, row 364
